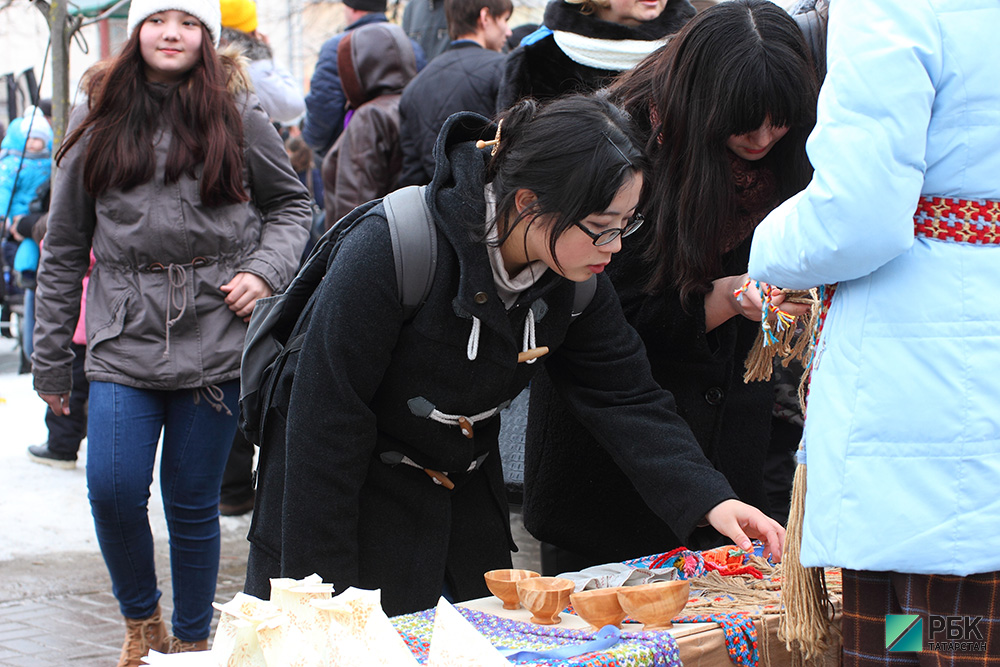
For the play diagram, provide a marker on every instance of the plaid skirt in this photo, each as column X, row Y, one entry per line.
column 938, row 620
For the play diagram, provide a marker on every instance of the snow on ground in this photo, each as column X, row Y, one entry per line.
column 42, row 509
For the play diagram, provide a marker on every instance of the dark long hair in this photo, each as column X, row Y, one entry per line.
column 732, row 68
column 124, row 118
column 574, row 153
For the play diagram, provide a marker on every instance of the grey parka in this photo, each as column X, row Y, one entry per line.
column 156, row 317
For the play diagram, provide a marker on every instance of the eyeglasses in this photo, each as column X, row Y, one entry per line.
column 608, row 235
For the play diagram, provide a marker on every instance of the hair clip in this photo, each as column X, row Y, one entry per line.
column 494, row 142
column 620, row 151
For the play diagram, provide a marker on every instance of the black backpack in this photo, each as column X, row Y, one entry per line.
column 278, row 324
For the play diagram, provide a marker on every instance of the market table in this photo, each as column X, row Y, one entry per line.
column 731, row 619
column 700, row 644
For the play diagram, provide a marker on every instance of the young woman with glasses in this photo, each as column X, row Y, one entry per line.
column 725, row 107
column 393, row 422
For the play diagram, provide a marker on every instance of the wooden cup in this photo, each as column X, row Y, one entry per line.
column 503, row 584
column 545, row 597
column 656, row 604
column 599, row 607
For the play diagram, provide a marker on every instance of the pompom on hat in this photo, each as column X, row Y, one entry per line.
column 208, row 12
column 239, row 15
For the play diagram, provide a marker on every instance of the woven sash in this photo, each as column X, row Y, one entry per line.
column 958, row 220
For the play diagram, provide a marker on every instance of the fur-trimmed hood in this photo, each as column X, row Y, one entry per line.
column 566, row 17
column 234, row 63
column 252, row 47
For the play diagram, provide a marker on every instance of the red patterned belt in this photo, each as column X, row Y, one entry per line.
column 975, row 221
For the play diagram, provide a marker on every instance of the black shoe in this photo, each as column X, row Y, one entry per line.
column 42, row 454
column 236, row 509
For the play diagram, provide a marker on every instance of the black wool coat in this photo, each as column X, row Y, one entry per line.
column 465, row 77
column 540, row 69
column 328, row 503
column 704, row 372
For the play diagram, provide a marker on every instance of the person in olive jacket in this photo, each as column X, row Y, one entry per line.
column 177, row 180
column 376, row 62
column 390, row 474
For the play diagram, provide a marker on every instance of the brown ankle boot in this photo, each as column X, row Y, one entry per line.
column 175, row 645
column 141, row 636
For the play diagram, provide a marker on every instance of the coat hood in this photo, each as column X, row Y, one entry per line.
column 460, row 171
column 374, row 60
column 234, row 63
column 15, row 138
column 252, row 47
column 566, row 17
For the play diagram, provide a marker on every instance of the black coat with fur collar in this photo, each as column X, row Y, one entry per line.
column 326, row 501
column 540, row 69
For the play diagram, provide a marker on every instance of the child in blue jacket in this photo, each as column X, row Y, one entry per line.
column 25, row 167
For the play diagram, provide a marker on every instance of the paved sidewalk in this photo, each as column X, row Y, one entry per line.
column 56, row 606
column 59, row 610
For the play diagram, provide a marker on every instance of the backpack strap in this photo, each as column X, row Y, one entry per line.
column 414, row 244
column 414, row 250
column 584, row 295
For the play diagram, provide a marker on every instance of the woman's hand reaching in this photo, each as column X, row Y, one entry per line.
column 243, row 291
column 741, row 523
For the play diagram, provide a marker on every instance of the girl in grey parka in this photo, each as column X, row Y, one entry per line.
column 181, row 186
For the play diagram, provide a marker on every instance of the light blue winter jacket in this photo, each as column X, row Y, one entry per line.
column 903, row 422
column 35, row 170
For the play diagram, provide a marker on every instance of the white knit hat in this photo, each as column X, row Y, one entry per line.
column 206, row 11
column 40, row 128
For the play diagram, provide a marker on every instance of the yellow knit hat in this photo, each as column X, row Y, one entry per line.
column 239, row 14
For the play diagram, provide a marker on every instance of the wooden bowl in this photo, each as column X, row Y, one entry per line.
column 656, row 604
column 599, row 607
column 544, row 597
column 503, row 584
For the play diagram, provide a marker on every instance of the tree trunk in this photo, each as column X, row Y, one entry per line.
column 59, row 28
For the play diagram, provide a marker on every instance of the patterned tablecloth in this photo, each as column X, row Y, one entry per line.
column 745, row 637
column 636, row 649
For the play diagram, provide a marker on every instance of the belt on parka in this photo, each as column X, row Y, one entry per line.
column 177, row 279
column 971, row 221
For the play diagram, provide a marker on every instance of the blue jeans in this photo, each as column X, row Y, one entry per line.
column 123, row 429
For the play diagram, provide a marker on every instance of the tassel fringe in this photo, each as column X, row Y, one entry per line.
column 781, row 337
column 806, row 624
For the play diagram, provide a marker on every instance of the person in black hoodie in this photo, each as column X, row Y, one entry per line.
column 381, row 406
column 583, row 44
